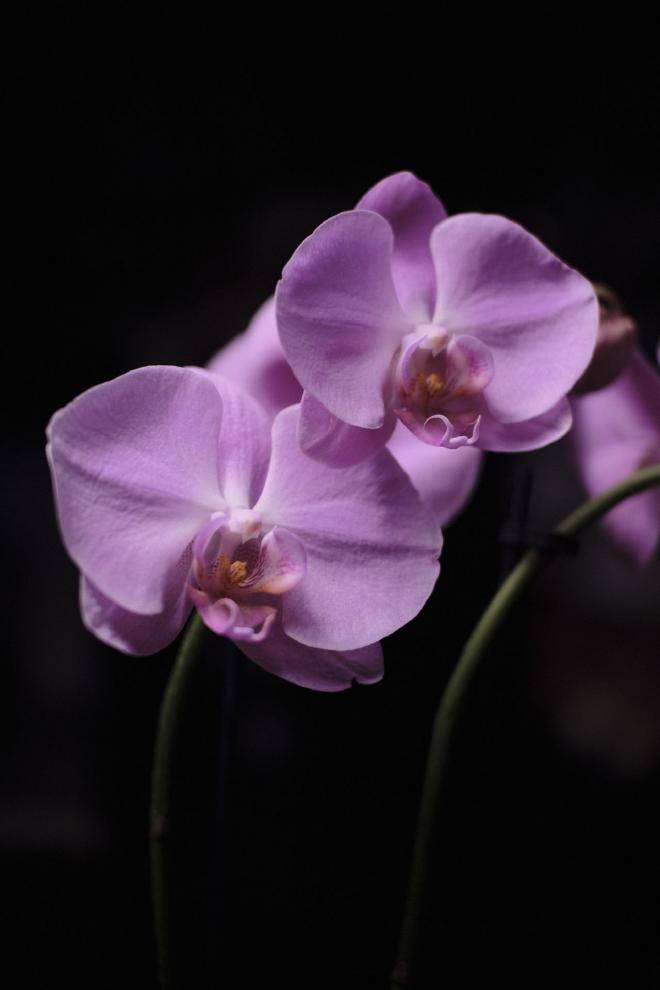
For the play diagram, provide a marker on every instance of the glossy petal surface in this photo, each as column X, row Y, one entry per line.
column 307, row 666
column 372, row 550
column 135, row 471
column 138, row 635
column 445, row 479
column 412, row 210
column 528, row 435
column 325, row 438
column 339, row 318
column 539, row 318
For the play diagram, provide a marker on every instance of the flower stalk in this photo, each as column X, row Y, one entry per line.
column 169, row 723
column 453, row 699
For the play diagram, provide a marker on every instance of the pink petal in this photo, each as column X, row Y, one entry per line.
column 326, row 438
column 218, row 615
column 243, row 444
column 281, row 564
column 139, row 635
column 616, row 431
column 134, row 466
column 225, row 617
column 497, row 282
column 321, row 670
column 339, row 318
column 372, row 550
column 412, row 209
column 528, row 435
column 255, row 361
column 445, row 479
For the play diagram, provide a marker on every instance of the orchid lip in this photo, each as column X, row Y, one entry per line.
column 234, row 567
column 439, row 384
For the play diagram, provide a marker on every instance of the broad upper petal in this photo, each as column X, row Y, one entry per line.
column 497, row 282
column 412, row 210
column 339, row 318
column 134, row 463
column 371, row 547
column 307, row 666
column 445, row 479
column 616, row 431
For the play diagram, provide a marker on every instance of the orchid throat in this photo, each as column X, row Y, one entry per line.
column 439, row 385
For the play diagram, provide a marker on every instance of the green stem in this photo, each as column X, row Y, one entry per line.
column 168, row 729
column 453, row 698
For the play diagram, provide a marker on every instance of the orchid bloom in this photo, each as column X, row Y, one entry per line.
column 255, row 361
column 172, row 491
column 617, row 431
column 465, row 328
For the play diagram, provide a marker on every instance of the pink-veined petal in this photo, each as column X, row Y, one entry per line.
column 280, row 566
column 255, row 361
column 138, row 635
column 372, row 549
column 497, row 282
column 325, row 438
column 339, row 318
column 445, row 479
column 412, row 210
column 135, row 471
column 528, row 435
column 307, row 666
column 616, row 431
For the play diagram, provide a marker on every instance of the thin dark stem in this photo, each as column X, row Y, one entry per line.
column 455, row 693
column 220, row 855
column 166, row 740
column 513, row 537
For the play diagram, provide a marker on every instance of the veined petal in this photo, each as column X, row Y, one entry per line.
column 528, row 435
column 138, row 635
column 497, row 282
column 339, row 318
column 470, row 366
column 135, row 471
column 320, row 670
column 616, row 431
column 255, row 361
column 412, row 210
column 445, row 479
column 325, row 438
column 281, row 564
column 372, row 549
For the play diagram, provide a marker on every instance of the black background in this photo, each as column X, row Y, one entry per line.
column 151, row 210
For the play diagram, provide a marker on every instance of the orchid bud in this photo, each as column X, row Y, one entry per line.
column 614, row 344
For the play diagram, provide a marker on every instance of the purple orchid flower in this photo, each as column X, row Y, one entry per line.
column 465, row 328
column 617, row 431
column 171, row 493
column 255, row 361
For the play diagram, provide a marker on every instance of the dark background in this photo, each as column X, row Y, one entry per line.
column 151, row 211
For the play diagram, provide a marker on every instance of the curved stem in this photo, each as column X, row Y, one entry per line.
column 166, row 737
column 452, row 700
